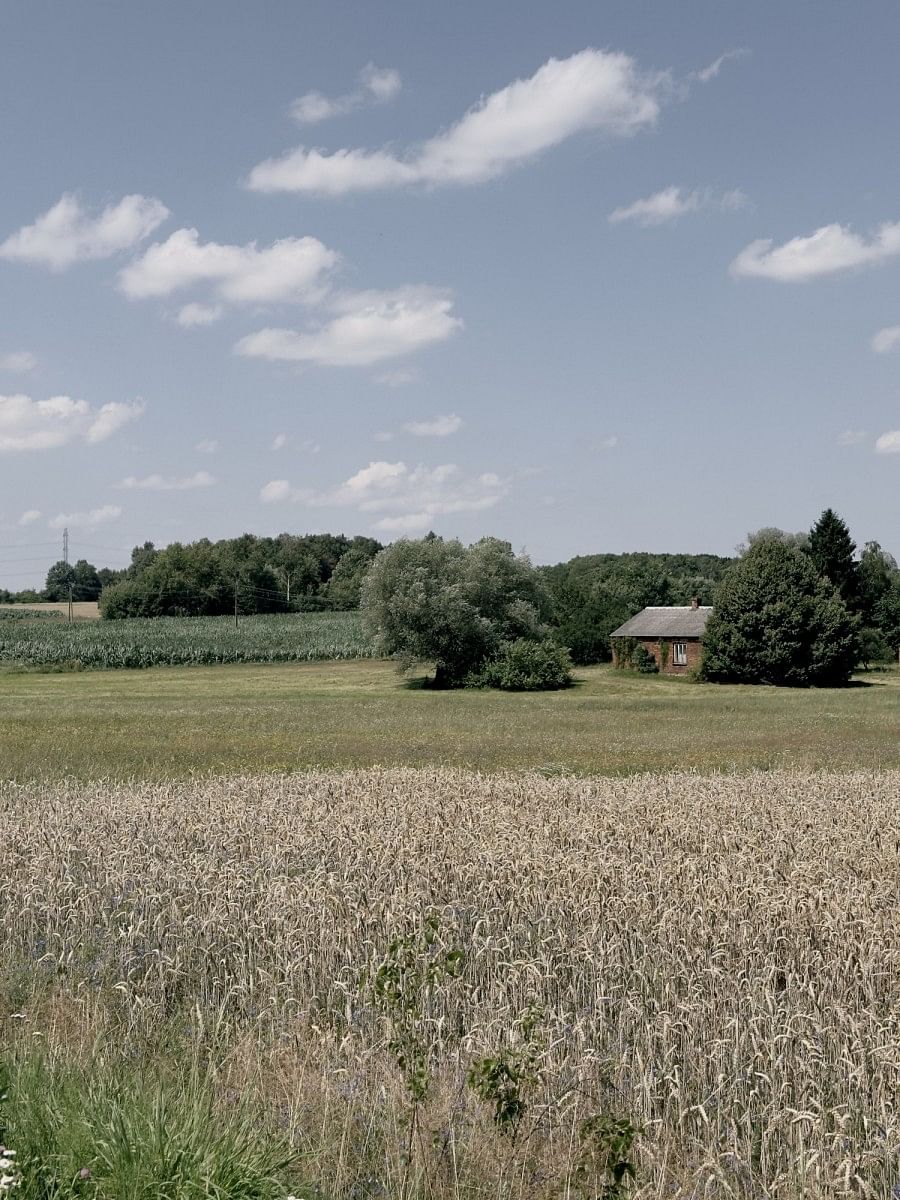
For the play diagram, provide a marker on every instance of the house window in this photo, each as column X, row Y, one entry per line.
column 679, row 657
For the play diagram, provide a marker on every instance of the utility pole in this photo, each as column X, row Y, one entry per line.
column 68, row 573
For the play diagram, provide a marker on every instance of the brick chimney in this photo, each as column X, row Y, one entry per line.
column 695, row 601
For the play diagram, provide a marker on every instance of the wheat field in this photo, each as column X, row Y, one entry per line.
column 714, row 961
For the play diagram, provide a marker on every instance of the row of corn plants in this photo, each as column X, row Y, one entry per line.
column 173, row 641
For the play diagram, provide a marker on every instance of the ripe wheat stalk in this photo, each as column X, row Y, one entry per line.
column 716, row 958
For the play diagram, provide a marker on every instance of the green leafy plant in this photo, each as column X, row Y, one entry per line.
column 644, row 662
column 603, row 1165
column 415, row 965
column 504, row 1079
column 664, row 648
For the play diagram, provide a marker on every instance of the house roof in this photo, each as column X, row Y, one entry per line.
column 681, row 621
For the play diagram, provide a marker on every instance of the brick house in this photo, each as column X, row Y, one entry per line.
column 673, row 635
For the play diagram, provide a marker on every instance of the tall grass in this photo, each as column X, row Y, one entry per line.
column 171, row 641
column 712, row 961
column 103, row 1131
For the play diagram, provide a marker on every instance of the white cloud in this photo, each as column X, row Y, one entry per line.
column 888, row 443
column 384, row 435
column 852, row 437
column 441, row 426
column 376, row 86
column 19, row 361
column 279, row 441
column 27, row 424
column 207, row 446
column 831, row 249
column 30, row 516
column 194, row 315
column 85, row 520
column 68, row 234
column 369, row 327
column 400, row 499
column 608, row 443
column 712, row 71
column 167, row 483
column 277, row 491
column 674, row 202
column 289, row 270
column 886, row 339
column 592, row 90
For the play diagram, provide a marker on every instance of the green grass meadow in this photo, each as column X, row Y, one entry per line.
column 174, row 721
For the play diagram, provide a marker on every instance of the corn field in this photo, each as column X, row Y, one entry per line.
column 711, row 963
column 173, row 641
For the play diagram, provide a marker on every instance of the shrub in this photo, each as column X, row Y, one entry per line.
column 644, row 662
column 874, row 648
column 527, row 666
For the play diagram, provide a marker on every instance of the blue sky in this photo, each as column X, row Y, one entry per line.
column 586, row 276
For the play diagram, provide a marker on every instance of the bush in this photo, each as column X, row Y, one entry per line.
column 874, row 648
column 524, row 665
column 631, row 655
column 643, row 661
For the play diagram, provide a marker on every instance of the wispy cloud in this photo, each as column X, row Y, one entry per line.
column 85, row 520
column 399, row 498
column 67, row 233
column 596, row 90
column 886, row 339
column 673, row 202
column 193, row 316
column 400, row 377
column 888, row 443
column 207, row 446
column 852, row 437
column 828, row 251
column 29, row 516
column 369, row 327
column 304, row 445
column 27, row 424
column 167, row 483
column 441, row 426
column 19, row 361
column 712, row 71
column 376, row 86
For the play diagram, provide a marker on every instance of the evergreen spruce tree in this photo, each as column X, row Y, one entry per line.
column 831, row 550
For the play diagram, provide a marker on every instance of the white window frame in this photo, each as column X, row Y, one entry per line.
column 679, row 654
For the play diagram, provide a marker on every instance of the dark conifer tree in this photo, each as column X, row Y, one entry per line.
column 831, row 549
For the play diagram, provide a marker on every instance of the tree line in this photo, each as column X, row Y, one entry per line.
column 287, row 573
column 798, row 606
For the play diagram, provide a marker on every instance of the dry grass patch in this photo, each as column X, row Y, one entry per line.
column 712, row 959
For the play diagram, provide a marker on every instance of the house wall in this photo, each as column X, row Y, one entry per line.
column 694, row 654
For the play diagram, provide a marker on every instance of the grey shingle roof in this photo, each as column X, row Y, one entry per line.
column 665, row 622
